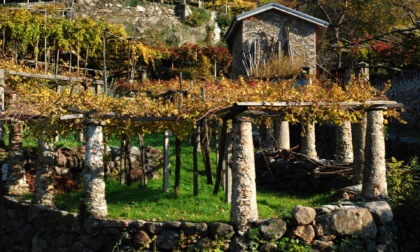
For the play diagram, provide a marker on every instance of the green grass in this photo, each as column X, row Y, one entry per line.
column 152, row 203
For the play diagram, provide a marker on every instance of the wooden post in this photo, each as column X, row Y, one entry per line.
column 93, row 201
column 2, row 86
column 244, row 195
column 178, row 149
column 222, row 148
column 195, row 160
column 344, row 145
column 216, row 136
column 143, row 182
column 374, row 171
column 123, row 159
column 281, row 134
column 44, row 181
column 166, row 162
column 359, row 143
column 16, row 179
column 228, row 168
column 86, row 59
column 308, row 140
column 104, row 58
column 204, row 140
column 56, row 61
column 57, row 135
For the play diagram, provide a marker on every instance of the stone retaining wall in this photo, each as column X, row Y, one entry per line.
column 25, row 227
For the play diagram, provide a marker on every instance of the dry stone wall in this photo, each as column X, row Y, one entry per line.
column 26, row 227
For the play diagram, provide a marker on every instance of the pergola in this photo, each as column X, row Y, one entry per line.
column 244, row 203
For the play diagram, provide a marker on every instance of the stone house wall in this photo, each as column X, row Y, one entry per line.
column 270, row 28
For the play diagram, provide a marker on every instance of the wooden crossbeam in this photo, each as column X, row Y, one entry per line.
column 53, row 77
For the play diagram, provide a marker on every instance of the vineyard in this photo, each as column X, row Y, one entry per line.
column 61, row 75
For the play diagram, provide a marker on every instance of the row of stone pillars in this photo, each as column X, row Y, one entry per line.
column 369, row 157
column 93, row 200
column 244, row 202
column 365, row 148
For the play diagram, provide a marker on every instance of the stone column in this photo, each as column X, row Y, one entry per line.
column 244, row 196
column 374, row 171
column 16, row 179
column 344, row 145
column 281, row 134
column 44, row 181
column 93, row 199
column 359, row 141
column 308, row 146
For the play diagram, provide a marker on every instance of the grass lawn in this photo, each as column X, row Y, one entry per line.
column 152, row 203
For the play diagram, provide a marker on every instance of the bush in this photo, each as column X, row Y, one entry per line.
column 403, row 185
column 404, row 195
column 224, row 20
column 198, row 17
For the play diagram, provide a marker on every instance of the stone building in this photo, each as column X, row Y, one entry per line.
column 254, row 37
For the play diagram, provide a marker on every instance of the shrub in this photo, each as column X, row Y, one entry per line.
column 198, row 17
column 404, row 195
column 224, row 20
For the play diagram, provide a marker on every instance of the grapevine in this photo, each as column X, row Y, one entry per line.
column 36, row 99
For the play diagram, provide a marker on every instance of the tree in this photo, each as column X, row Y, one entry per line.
column 359, row 30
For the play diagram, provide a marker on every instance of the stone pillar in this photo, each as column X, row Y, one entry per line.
column 143, row 75
column 16, row 179
column 244, row 196
column 344, row 145
column 359, row 141
column 374, row 171
column 308, row 146
column 281, row 134
column 362, row 70
column 44, row 181
column 93, row 198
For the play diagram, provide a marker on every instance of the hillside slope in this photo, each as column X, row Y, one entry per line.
column 154, row 23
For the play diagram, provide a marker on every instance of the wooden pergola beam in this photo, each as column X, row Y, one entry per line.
column 53, row 77
column 387, row 104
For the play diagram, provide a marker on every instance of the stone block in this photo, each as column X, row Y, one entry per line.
column 167, row 240
column 381, row 211
column 272, row 229
column 303, row 215
column 221, row 230
column 349, row 221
